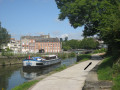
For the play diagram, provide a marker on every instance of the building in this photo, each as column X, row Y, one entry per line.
column 101, row 43
column 13, row 45
column 34, row 44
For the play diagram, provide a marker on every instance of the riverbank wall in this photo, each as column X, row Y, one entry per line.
column 10, row 60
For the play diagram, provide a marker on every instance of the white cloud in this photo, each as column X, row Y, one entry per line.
column 39, row 33
column 56, row 32
column 77, row 35
column 64, row 35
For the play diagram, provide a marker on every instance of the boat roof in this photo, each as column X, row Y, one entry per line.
column 49, row 55
column 36, row 57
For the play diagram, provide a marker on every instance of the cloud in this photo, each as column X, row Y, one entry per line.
column 77, row 35
column 64, row 35
column 56, row 32
column 39, row 33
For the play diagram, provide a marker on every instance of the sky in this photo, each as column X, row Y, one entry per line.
column 35, row 17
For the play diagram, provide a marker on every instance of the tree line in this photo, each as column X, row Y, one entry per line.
column 86, row 43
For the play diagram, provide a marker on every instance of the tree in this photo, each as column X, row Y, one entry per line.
column 4, row 36
column 66, row 38
column 61, row 39
column 74, row 44
column 99, row 17
column 89, row 43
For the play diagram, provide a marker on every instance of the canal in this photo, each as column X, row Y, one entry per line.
column 11, row 76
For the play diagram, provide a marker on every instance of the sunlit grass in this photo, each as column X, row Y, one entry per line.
column 109, row 70
column 25, row 85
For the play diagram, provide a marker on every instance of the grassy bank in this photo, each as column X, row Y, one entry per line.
column 83, row 57
column 66, row 55
column 27, row 85
column 110, row 70
column 102, row 50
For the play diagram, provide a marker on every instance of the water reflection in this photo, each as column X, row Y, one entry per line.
column 6, row 74
column 30, row 73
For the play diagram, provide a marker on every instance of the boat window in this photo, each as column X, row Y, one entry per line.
column 38, row 58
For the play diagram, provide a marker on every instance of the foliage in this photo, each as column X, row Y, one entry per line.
column 102, row 50
column 66, row 38
column 61, row 40
column 87, row 43
column 109, row 70
column 66, row 55
column 71, row 54
column 116, row 86
column 3, row 52
column 66, row 48
column 7, row 52
column 4, row 36
column 83, row 57
column 25, row 85
column 3, row 63
column 62, row 55
column 61, row 68
column 99, row 17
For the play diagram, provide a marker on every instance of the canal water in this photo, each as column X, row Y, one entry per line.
column 11, row 76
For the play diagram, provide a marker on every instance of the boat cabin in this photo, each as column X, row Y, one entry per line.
column 49, row 57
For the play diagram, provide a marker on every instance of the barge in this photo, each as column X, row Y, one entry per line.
column 44, row 61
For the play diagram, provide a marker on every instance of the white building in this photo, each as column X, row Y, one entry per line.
column 13, row 45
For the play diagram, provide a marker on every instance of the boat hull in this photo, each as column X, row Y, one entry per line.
column 34, row 64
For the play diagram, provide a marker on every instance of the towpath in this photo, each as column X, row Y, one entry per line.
column 72, row 78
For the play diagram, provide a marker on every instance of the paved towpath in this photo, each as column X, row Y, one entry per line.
column 72, row 78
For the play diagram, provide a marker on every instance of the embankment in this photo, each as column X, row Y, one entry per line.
column 10, row 60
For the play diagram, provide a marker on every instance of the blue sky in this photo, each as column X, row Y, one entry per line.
column 35, row 17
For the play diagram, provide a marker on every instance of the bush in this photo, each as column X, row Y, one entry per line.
column 3, row 63
column 116, row 85
column 108, row 70
column 102, row 50
column 71, row 54
column 83, row 57
column 3, row 52
column 62, row 55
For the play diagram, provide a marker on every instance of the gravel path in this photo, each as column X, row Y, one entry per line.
column 72, row 78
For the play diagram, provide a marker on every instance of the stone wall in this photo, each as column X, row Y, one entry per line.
column 10, row 60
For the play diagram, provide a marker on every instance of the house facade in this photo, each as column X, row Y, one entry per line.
column 13, row 45
column 34, row 44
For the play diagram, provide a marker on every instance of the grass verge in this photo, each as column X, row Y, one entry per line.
column 61, row 68
column 102, row 50
column 25, row 85
column 109, row 70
